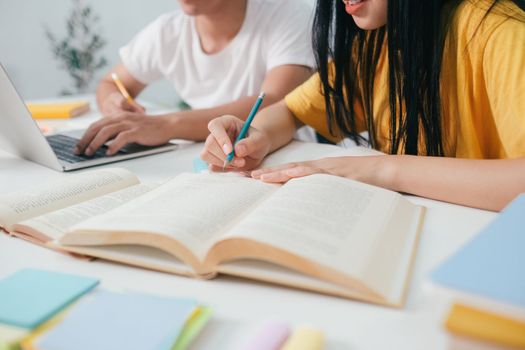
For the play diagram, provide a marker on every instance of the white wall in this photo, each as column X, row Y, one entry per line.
column 26, row 54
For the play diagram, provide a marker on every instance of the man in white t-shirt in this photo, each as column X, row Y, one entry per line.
column 219, row 54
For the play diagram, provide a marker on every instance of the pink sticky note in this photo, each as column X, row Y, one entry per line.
column 270, row 336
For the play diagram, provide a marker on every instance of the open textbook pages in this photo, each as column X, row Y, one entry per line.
column 51, row 209
column 350, row 238
column 75, row 197
column 321, row 233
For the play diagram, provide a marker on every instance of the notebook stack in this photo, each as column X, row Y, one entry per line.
column 487, row 280
column 42, row 310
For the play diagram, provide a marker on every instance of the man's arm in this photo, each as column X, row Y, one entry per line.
column 136, row 127
column 109, row 99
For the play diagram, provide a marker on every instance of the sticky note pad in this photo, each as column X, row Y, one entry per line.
column 199, row 165
column 30, row 297
column 108, row 320
column 305, row 338
column 193, row 327
column 10, row 336
column 270, row 336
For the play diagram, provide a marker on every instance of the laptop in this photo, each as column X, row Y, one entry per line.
column 20, row 135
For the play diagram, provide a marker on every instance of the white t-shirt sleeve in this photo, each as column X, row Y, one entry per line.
column 143, row 54
column 288, row 38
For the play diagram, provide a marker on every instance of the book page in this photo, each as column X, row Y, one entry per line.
column 69, row 190
column 135, row 255
column 297, row 151
column 194, row 209
column 54, row 225
column 329, row 220
column 268, row 272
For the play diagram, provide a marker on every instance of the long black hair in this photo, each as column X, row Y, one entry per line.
column 415, row 36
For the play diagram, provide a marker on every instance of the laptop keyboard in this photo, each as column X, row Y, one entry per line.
column 64, row 145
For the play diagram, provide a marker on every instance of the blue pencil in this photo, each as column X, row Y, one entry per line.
column 244, row 129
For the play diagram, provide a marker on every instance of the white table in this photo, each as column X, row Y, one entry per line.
column 236, row 302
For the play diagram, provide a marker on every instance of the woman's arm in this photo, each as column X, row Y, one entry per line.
column 271, row 129
column 485, row 184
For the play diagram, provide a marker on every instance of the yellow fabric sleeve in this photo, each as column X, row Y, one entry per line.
column 307, row 104
column 504, row 73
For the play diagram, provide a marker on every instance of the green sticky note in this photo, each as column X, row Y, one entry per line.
column 30, row 297
column 193, row 328
column 11, row 336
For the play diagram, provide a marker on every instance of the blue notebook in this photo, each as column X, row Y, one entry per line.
column 30, row 297
column 492, row 264
column 108, row 320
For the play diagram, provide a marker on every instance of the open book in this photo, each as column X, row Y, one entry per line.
column 321, row 233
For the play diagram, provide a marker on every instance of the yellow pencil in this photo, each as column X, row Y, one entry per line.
column 121, row 87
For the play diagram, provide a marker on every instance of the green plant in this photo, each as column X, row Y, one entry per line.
column 183, row 106
column 78, row 51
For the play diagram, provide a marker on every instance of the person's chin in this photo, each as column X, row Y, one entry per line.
column 189, row 10
column 190, row 13
column 366, row 23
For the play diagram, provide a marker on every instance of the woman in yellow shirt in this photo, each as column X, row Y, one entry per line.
column 443, row 95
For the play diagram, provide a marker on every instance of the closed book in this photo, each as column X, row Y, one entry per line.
column 58, row 110
column 487, row 272
column 486, row 327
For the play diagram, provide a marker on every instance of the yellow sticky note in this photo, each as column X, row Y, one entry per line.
column 305, row 338
column 28, row 343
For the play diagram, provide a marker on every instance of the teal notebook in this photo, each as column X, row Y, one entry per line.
column 30, row 297
column 492, row 264
column 108, row 320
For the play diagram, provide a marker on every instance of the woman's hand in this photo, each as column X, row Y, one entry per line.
column 372, row 169
column 249, row 152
